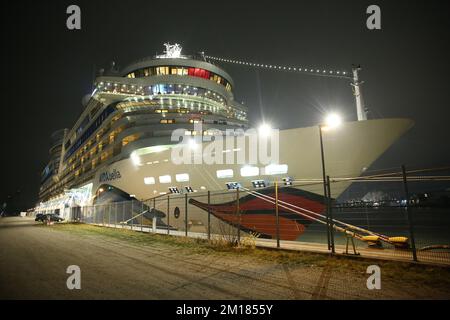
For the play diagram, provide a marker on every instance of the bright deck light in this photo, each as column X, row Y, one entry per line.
column 264, row 130
column 333, row 120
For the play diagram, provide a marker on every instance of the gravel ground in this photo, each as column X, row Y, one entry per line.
column 33, row 262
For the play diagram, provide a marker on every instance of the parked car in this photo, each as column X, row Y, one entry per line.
column 45, row 217
column 54, row 218
column 39, row 217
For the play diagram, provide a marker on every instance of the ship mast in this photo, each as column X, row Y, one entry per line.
column 356, row 84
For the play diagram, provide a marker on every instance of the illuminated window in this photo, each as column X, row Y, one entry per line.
column 160, row 89
column 227, row 173
column 249, row 171
column 182, row 177
column 272, row 169
column 167, row 121
column 149, row 180
column 165, row 179
column 129, row 139
column 162, row 70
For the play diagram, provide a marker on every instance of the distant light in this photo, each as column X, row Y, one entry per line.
column 101, row 190
column 333, row 120
column 264, row 130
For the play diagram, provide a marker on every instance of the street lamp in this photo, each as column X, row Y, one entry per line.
column 332, row 121
column 265, row 130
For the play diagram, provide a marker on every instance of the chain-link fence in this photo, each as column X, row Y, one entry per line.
column 385, row 215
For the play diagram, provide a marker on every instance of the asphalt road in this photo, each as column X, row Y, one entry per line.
column 34, row 259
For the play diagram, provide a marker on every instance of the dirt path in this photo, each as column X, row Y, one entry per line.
column 33, row 262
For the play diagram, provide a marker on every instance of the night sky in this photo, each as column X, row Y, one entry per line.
column 48, row 68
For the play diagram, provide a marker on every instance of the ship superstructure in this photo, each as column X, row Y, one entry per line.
column 137, row 107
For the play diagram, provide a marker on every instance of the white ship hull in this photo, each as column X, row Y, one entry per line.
column 349, row 150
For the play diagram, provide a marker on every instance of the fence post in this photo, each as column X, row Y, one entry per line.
column 109, row 215
column 123, row 214
column 238, row 212
column 277, row 216
column 131, row 214
column 209, row 215
column 168, row 215
column 186, row 214
column 154, row 215
column 95, row 215
column 410, row 218
column 115, row 217
column 330, row 215
column 142, row 216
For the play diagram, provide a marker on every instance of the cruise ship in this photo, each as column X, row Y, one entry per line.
column 122, row 147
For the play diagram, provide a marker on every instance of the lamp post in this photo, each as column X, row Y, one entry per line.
column 331, row 121
column 322, row 156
